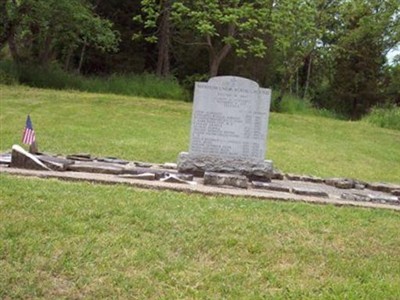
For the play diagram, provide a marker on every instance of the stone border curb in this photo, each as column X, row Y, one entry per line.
column 198, row 189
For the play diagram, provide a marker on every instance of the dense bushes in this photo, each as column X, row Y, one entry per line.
column 145, row 85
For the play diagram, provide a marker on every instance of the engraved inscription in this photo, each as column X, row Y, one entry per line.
column 230, row 117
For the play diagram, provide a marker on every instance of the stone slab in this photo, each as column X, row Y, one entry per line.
column 309, row 192
column 384, row 199
column 113, row 160
column 383, row 187
column 198, row 165
column 142, row 164
column 305, row 178
column 95, row 167
column 173, row 178
column 136, row 171
column 55, row 163
column 219, row 179
column 271, row 187
column 230, row 118
column 354, row 197
column 20, row 158
column 170, row 166
column 80, row 157
column 5, row 158
column 143, row 176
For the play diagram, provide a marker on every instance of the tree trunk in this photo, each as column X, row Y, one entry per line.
column 308, row 76
column 163, row 62
column 217, row 58
column 68, row 58
column 45, row 53
column 13, row 45
column 82, row 56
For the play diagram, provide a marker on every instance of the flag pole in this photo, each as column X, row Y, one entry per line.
column 33, row 148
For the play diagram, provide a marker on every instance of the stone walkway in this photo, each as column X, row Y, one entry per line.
column 292, row 190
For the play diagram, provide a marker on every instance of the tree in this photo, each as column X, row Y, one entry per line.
column 156, row 15
column 219, row 26
column 44, row 29
column 367, row 30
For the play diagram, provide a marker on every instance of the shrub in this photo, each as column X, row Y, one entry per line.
column 145, row 85
column 386, row 117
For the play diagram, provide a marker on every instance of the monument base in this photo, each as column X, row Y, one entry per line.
column 199, row 164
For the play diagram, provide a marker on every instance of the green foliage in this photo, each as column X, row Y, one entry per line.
column 387, row 117
column 353, row 80
column 49, row 28
column 145, row 85
column 293, row 105
column 8, row 73
column 217, row 26
column 69, row 240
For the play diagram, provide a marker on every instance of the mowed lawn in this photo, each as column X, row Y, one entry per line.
column 61, row 240
column 154, row 130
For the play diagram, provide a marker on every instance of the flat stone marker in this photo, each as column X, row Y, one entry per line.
column 229, row 128
column 20, row 158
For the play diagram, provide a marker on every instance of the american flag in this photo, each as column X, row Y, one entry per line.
column 29, row 134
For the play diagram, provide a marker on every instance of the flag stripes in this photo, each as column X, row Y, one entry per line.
column 29, row 134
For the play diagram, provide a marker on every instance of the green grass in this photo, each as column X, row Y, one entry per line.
column 146, row 129
column 62, row 240
column 144, row 85
column 293, row 105
column 388, row 117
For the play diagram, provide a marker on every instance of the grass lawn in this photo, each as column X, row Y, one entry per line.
column 153, row 130
column 61, row 240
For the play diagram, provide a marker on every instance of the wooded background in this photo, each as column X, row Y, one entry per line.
column 332, row 52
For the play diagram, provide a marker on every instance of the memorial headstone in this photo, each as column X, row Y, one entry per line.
column 229, row 128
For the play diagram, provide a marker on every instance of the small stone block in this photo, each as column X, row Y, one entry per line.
column 270, row 187
column 359, row 186
column 5, row 158
column 187, row 177
column 341, row 183
column 143, row 164
column 144, row 176
column 211, row 178
column 175, row 179
column 112, row 160
column 80, row 157
column 170, row 166
column 198, row 165
column 384, row 199
column 277, row 174
column 309, row 192
column 396, row 192
column 383, row 187
column 293, row 177
column 159, row 174
column 354, row 197
column 313, row 179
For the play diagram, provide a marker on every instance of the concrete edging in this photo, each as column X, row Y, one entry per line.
column 198, row 189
